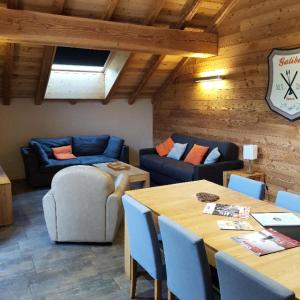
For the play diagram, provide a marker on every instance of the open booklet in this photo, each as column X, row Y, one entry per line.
column 234, row 225
column 266, row 241
column 227, row 210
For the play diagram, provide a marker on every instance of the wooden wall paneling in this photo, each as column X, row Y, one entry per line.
column 7, row 73
column 237, row 110
column 48, row 57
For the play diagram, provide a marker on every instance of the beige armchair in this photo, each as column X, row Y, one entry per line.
column 84, row 205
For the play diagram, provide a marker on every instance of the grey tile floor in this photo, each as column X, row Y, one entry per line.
column 32, row 267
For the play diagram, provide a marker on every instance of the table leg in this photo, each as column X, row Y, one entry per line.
column 147, row 182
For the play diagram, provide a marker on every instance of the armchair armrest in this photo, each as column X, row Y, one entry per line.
column 114, row 212
column 49, row 208
column 214, row 172
column 147, row 151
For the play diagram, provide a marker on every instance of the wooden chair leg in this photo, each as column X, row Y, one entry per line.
column 133, row 279
column 170, row 295
column 157, row 289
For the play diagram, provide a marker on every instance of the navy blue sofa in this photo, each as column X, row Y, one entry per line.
column 40, row 164
column 165, row 170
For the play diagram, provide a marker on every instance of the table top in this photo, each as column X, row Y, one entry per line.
column 243, row 172
column 132, row 171
column 179, row 203
column 3, row 177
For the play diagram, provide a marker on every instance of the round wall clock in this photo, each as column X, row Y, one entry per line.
column 283, row 94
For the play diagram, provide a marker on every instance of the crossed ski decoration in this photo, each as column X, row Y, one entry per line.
column 289, row 82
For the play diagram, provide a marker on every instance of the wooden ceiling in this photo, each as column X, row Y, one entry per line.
column 26, row 67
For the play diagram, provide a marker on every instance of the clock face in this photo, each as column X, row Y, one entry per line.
column 283, row 94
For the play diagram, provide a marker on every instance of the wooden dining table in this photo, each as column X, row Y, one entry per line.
column 179, row 203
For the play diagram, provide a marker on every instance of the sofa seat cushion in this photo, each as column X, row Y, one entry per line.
column 48, row 144
column 89, row 145
column 55, row 165
column 152, row 162
column 177, row 169
column 94, row 159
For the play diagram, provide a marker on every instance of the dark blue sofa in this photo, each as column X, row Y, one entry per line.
column 40, row 164
column 165, row 170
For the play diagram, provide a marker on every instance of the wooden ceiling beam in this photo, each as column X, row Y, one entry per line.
column 153, row 65
column 57, row 30
column 111, row 7
column 48, row 57
column 9, row 61
column 188, row 13
column 155, row 11
column 170, row 79
column 222, row 14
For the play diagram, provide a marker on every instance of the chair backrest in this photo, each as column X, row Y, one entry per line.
column 144, row 245
column 238, row 281
column 252, row 188
column 288, row 200
column 188, row 273
column 80, row 194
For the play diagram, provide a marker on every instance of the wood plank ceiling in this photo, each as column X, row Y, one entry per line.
column 26, row 67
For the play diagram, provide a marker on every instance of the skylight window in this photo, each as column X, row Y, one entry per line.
column 80, row 57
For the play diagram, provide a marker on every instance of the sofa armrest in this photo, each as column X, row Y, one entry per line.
column 147, row 151
column 30, row 159
column 214, row 172
column 124, row 156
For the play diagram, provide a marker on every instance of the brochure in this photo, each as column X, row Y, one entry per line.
column 266, row 241
column 234, row 225
column 227, row 210
column 277, row 219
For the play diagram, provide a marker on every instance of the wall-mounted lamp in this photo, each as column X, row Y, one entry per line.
column 207, row 78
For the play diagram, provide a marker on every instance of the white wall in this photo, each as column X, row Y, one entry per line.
column 23, row 120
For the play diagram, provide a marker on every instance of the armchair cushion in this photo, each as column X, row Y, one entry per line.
column 89, row 145
column 114, row 147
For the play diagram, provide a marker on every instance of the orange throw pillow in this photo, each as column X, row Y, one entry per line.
column 196, row 155
column 63, row 153
column 164, row 148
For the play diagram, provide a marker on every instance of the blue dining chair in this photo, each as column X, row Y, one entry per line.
column 252, row 188
column 188, row 273
column 144, row 245
column 288, row 200
column 238, row 281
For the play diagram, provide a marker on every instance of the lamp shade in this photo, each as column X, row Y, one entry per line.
column 250, row 152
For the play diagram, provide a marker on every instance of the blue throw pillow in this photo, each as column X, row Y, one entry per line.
column 213, row 156
column 43, row 157
column 114, row 147
column 89, row 145
column 48, row 144
column 177, row 151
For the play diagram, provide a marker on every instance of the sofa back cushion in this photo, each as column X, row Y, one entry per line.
column 89, row 145
column 48, row 144
column 229, row 151
column 114, row 147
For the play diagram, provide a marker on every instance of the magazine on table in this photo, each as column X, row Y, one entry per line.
column 234, row 225
column 227, row 210
column 277, row 219
column 266, row 241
